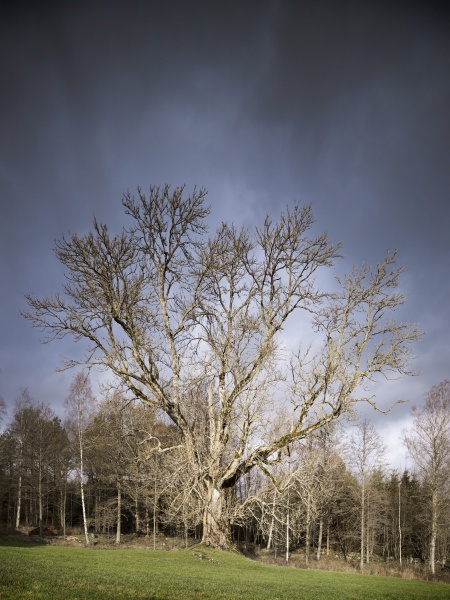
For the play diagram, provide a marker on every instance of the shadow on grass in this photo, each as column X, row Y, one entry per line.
column 16, row 539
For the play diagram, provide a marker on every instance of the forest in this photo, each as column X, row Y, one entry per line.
column 116, row 467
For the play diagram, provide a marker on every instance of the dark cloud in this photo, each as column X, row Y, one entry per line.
column 344, row 105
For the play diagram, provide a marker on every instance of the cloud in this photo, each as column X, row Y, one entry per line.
column 267, row 103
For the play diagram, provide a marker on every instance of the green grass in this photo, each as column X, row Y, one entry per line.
column 55, row 572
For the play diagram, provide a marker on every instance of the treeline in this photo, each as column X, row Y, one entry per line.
column 115, row 466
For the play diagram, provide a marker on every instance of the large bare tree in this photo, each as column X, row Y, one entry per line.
column 191, row 325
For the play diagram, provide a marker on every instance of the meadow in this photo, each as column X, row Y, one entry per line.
column 54, row 572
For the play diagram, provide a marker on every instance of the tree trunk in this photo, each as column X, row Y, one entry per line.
column 147, row 522
column 269, row 541
column 27, row 505
column 136, row 504
column 287, row 535
column 40, row 502
column 119, row 513
column 83, row 502
column 308, row 530
column 433, row 532
column 363, row 511
column 319, row 541
column 155, row 509
column 19, row 499
column 62, row 516
column 369, row 529
column 97, row 519
column 272, row 522
column 83, row 507
column 216, row 524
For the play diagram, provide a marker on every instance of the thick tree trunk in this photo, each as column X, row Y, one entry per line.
column 216, row 524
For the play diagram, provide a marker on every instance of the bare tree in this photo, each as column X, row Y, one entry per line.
column 429, row 446
column 108, row 450
column 307, row 488
column 79, row 406
column 366, row 455
column 164, row 308
column 40, row 442
column 19, row 429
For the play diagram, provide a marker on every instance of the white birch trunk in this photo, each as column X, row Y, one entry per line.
column 272, row 522
column 83, row 502
column 433, row 533
column 363, row 511
column 319, row 541
column 19, row 501
column 287, row 536
column 119, row 513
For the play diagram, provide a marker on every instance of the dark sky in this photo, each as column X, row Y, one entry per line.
column 342, row 104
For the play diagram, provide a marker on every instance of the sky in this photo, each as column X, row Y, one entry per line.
column 345, row 105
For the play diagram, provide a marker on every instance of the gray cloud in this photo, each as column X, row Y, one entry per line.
column 344, row 105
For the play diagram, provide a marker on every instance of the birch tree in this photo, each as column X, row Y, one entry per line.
column 164, row 306
column 367, row 454
column 428, row 444
column 79, row 406
column 19, row 429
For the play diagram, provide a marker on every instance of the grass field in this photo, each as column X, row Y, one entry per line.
column 58, row 572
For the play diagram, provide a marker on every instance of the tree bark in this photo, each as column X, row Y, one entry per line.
column 319, row 541
column 119, row 513
column 155, row 509
column 328, row 539
column 83, row 502
column 272, row 522
column 308, row 529
column 433, row 533
column 136, row 507
column 41, row 508
column 399, row 525
column 63, row 495
column 216, row 523
column 287, row 535
column 83, row 507
column 19, row 499
column 363, row 513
